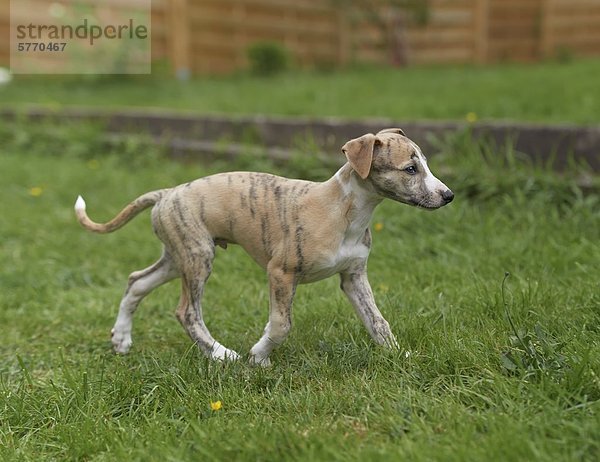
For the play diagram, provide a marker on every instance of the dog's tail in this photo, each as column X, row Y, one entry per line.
column 123, row 217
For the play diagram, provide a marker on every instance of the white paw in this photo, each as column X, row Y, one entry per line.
column 220, row 353
column 392, row 343
column 121, row 341
column 386, row 339
column 260, row 361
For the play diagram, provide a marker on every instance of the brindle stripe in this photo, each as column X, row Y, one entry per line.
column 299, row 246
column 203, row 209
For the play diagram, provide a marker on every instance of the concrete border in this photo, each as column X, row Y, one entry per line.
column 201, row 133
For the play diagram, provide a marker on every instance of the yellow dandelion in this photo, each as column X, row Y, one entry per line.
column 383, row 287
column 36, row 191
column 378, row 227
column 93, row 164
column 216, row 405
column 471, row 117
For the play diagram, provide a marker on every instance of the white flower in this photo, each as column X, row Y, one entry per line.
column 5, row 76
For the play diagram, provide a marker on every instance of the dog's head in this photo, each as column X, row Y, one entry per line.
column 396, row 168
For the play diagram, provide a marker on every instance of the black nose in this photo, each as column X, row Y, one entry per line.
column 447, row 195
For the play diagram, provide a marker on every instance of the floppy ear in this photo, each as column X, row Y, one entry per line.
column 359, row 153
column 398, row 131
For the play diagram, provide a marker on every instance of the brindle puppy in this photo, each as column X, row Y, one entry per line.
column 298, row 231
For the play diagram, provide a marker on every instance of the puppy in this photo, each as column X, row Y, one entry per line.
column 298, row 231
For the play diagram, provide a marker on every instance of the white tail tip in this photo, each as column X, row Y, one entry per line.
column 79, row 204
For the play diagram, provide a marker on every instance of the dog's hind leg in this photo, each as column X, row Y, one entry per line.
column 140, row 284
column 197, row 268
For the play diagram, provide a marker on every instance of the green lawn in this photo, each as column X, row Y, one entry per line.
column 473, row 387
column 552, row 92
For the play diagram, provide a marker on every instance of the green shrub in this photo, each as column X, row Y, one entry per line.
column 268, row 58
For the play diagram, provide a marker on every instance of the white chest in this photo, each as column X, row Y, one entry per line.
column 351, row 253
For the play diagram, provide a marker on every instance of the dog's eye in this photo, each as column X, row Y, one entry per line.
column 411, row 170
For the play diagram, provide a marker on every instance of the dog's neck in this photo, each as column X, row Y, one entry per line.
column 358, row 196
column 362, row 192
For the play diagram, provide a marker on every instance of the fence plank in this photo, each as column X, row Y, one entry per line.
column 180, row 38
column 573, row 26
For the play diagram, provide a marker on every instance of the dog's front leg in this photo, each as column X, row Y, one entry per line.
column 358, row 290
column 282, row 290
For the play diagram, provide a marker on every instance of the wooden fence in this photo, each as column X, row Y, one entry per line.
column 212, row 36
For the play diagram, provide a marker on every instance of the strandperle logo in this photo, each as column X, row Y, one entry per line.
column 80, row 37
column 90, row 32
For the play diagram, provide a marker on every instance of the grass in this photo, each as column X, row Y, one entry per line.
column 545, row 92
column 498, row 370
